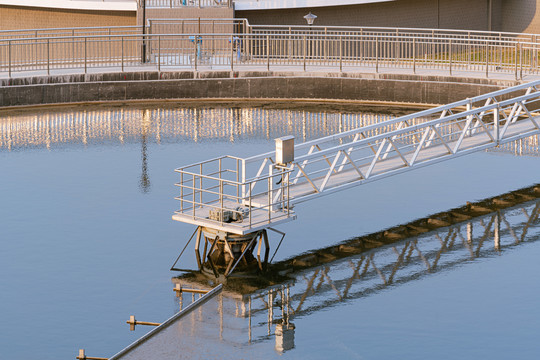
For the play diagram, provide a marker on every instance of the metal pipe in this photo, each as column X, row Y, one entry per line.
column 122, row 54
column 48, row 58
column 341, row 54
column 267, row 52
column 9, row 60
column 85, row 55
column 377, row 55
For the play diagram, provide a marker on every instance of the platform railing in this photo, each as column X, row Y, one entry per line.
column 214, row 191
column 265, row 52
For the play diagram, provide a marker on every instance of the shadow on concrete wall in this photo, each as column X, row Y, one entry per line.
column 520, row 16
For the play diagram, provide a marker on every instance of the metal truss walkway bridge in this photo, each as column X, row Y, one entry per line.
column 243, row 196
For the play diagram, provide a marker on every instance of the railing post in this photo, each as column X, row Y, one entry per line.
column 487, row 59
column 9, row 58
column 305, row 51
column 450, row 55
column 159, row 52
column 341, row 53
column 123, row 53
column 289, row 44
column 194, row 196
column 48, row 58
column 232, row 53
column 377, row 54
column 515, row 60
column 414, row 54
column 496, row 133
column 196, row 52
column 520, row 62
column 85, row 54
column 267, row 52
column 469, row 53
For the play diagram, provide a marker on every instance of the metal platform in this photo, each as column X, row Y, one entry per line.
column 259, row 193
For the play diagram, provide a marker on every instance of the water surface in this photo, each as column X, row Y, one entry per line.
column 87, row 238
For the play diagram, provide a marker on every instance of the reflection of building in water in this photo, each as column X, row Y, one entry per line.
column 130, row 125
column 366, row 265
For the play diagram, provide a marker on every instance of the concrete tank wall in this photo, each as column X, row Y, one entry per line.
column 241, row 85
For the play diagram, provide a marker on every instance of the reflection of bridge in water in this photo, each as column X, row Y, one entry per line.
column 366, row 265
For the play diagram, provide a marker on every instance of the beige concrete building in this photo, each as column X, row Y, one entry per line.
column 31, row 14
column 495, row 15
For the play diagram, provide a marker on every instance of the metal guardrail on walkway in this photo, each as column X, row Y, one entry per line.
column 235, row 44
column 254, row 51
column 260, row 193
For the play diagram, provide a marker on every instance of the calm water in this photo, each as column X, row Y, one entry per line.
column 87, row 240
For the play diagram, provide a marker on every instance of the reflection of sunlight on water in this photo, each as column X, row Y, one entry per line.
column 120, row 125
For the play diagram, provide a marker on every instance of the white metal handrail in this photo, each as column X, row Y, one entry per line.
column 369, row 153
column 230, row 51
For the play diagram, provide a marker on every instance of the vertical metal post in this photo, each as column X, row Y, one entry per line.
column 520, row 62
column 213, row 35
column 194, row 192
column 325, row 42
column 289, row 44
column 487, row 59
column 122, row 54
column 377, row 55
column 515, row 60
column 414, row 55
column 305, row 51
column 469, row 51
column 85, row 54
column 181, row 192
column 201, row 184
column 268, row 52
column 450, row 55
column 48, row 58
column 232, row 52
column 496, row 133
column 340, row 53
column 269, row 196
column 9, row 58
column 196, row 52
column 159, row 53
column 469, row 108
column 73, row 45
column 143, row 47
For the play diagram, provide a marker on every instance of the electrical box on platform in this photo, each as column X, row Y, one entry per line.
column 285, row 150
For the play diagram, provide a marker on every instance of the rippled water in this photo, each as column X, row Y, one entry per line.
column 87, row 240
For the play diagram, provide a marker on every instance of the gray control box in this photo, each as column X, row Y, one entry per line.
column 285, row 150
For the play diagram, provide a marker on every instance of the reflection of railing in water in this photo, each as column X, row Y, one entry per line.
column 363, row 266
column 129, row 125
column 162, row 125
